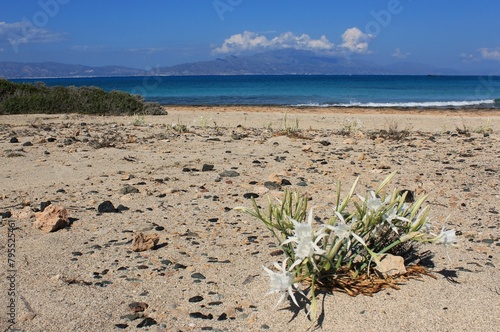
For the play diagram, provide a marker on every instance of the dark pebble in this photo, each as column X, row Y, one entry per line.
column 213, row 219
column 229, row 174
column 121, row 208
column 215, row 303
column 14, row 140
column 196, row 299
column 250, row 195
column 43, row 205
column 222, row 317
column 27, row 143
column 166, row 262
column 51, row 139
column 121, row 326
column 5, row 215
column 147, row 322
column 76, row 253
column 198, row 276
column 179, row 266
column 128, row 189
column 200, row 315
column 106, row 207
column 159, row 228
column 62, row 191
column 142, row 267
column 285, row 182
column 207, row 168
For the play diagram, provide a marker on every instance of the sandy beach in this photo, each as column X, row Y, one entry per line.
column 182, row 176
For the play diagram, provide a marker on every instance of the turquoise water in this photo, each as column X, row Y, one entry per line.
column 322, row 91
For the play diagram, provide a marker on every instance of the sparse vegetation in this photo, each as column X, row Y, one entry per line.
column 393, row 132
column 350, row 127
column 24, row 98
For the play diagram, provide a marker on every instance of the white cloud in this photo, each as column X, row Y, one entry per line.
column 467, row 57
column 25, row 32
column 490, row 54
column 356, row 41
column 398, row 54
column 251, row 41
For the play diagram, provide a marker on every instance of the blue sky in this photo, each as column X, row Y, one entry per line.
column 146, row 34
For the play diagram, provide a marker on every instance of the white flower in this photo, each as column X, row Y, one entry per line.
column 448, row 238
column 282, row 282
column 391, row 215
column 373, row 203
column 344, row 231
column 307, row 241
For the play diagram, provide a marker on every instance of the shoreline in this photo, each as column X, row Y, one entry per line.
column 343, row 109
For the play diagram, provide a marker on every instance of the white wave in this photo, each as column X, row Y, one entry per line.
column 406, row 104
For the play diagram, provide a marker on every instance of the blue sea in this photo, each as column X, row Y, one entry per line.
column 305, row 91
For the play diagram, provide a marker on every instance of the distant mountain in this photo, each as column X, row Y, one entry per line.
column 295, row 62
column 278, row 62
column 54, row 69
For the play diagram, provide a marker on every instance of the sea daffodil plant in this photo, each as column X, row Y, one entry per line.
column 349, row 241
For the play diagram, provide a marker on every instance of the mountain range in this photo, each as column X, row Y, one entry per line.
column 278, row 62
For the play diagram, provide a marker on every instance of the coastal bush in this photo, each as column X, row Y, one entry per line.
column 348, row 250
column 24, row 98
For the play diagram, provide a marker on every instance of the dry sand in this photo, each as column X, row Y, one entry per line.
column 206, row 271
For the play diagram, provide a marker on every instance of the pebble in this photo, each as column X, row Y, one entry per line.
column 14, row 140
column 128, row 189
column 195, row 299
column 148, row 321
column 198, row 276
column 106, row 207
column 229, row 174
column 137, row 307
column 200, row 315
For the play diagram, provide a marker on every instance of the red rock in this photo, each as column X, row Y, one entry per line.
column 51, row 219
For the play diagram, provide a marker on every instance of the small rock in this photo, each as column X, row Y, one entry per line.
column 207, row 168
column 137, row 307
column 14, row 140
column 5, row 215
column 250, row 195
column 391, row 265
column 229, row 174
column 272, row 185
column 128, row 189
column 106, row 207
column 43, row 205
column 121, row 326
column 143, row 242
column 195, row 299
column 27, row 143
column 200, row 315
column 52, row 218
column 198, row 276
column 148, row 321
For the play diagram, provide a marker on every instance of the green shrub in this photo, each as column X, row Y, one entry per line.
column 24, row 98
